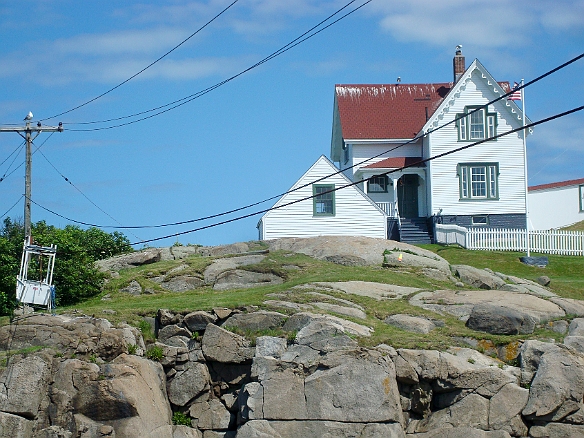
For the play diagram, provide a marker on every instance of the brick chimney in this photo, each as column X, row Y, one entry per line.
column 458, row 64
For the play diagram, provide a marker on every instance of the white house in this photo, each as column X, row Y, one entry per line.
column 383, row 136
column 556, row 205
column 342, row 212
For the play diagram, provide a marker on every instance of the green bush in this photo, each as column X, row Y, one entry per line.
column 155, row 353
column 181, row 419
column 75, row 276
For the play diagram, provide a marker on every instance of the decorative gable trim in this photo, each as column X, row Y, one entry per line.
column 460, row 87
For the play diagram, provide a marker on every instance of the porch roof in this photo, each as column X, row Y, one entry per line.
column 396, row 163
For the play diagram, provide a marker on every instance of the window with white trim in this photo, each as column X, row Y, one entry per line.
column 478, row 180
column 582, row 198
column 476, row 124
column 377, row 184
column 323, row 200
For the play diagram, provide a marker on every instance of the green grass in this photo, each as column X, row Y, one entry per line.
column 565, row 273
column 578, row 226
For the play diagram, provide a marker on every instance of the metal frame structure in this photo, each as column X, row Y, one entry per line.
column 39, row 292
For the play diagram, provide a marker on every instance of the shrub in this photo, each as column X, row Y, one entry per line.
column 76, row 278
column 181, row 419
column 155, row 353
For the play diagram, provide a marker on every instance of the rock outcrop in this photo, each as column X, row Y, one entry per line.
column 82, row 382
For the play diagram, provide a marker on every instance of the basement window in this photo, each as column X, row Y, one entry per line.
column 481, row 221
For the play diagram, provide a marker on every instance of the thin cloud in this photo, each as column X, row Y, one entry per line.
column 496, row 24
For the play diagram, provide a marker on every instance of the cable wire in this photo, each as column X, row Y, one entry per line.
column 531, row 125
column 19, row 148
column 13, row 205
column 83, row 194
column 145, row 68
column 8, row 157
column 417, row 137
column 183, row 101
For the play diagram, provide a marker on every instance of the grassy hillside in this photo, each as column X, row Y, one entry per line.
column 297, row 269
column 578, row 226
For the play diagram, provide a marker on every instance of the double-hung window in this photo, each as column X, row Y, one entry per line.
column 476, row 124
column 581, row 189
column 323, row 199
column 377, row 184
column 478, row 180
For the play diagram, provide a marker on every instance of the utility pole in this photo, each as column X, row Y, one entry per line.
column 26, row 133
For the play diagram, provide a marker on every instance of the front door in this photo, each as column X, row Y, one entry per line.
column 407, row 196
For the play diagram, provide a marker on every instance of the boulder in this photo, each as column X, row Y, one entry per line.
column 221, row 345
column 196, row 321
column 366, row 250
column 319, row 429
column 500, row 320
column 188, row 384
column 166, row 317
column 462, row 432
column 15, row 426
column 133, row 288
column 477, row 277
column 322, row 335
column 270, row 346
column 378, row 291
column 399, row 258
column 342, row 310
column 576, row 327
column 556, row 391
column 557, row 430
column 302, row 319
column 505, row 410
column 211, row 415
column 411, row 323
column 124, row 261
column 24, row 384
column 229, row 264
column 128, row 395
column 169, row 331
column 471, row 411
column 182, row 283
column 256, row 321
column 461, row 302
column 66, row 334
column 569, row 305
column 240, row 279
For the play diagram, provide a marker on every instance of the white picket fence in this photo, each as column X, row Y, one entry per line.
column 498, row 239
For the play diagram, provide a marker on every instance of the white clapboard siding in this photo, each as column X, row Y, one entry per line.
column 507, row 151
column 355, row 213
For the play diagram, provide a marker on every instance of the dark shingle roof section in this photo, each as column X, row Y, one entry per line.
column 572, row 182
column 387, row 111
column 396, row 163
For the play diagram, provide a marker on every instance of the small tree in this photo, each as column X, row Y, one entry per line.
column 75, row 277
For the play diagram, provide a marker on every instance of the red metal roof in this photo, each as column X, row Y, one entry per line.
column 571, row 182
column 396, row 163
column 387, row 111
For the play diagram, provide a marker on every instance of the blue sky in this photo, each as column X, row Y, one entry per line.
column 253, row 137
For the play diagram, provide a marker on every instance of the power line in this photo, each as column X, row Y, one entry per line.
column 79, row 190
column 8, row 157
column 183, row 101
column 13, row 205
column 19, row 149
column 531, row 125
column 22, row 164
column 145, row 68
column 418, row 136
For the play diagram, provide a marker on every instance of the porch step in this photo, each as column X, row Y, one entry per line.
column 415, row 230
